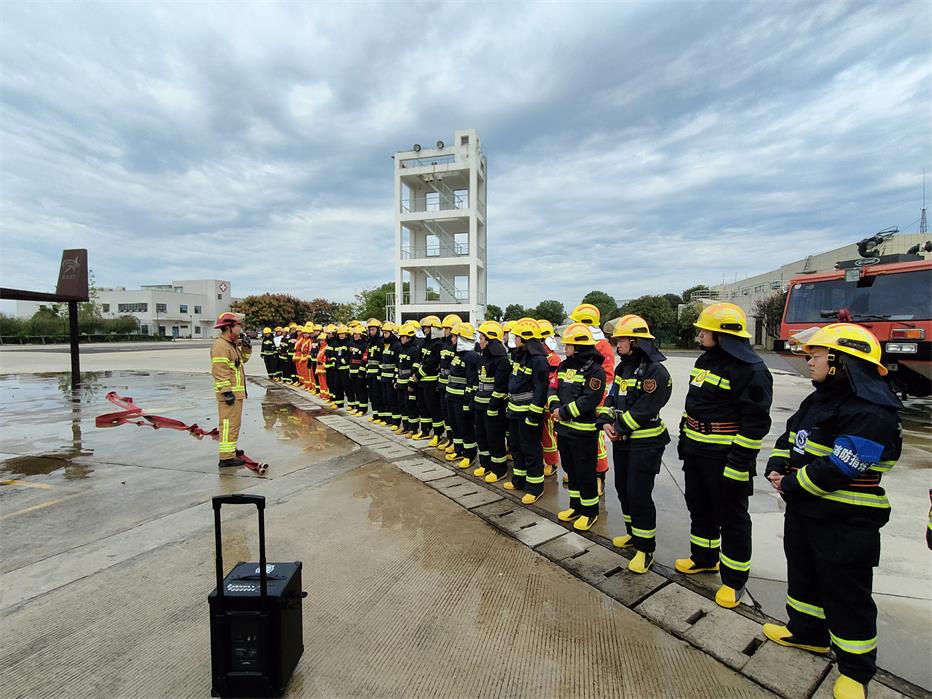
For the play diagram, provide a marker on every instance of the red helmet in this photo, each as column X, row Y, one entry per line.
column 228, row 319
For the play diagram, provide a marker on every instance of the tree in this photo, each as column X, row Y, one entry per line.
column 493, row 312
column 320, row 311
column 603, row 301
column 685, row 331
column 674, row 300
column 658, row 314
column 371, row 303
column 278, row 309
column 770, row 312
column 551, row 310
column 513, row 311
column 688, row 292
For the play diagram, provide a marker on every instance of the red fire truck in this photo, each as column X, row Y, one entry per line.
column 889, row 294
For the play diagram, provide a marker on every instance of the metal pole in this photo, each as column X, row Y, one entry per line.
column 75, row 352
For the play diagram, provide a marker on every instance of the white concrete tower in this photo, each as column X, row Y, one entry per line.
column 440, row 230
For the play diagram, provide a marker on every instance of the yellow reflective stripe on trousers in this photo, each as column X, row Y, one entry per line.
column 708, row 438
column 630, row 421
column 705, row 543
column 747, row 442
column 742, row 566
column 644, row 533
column 736, row 475
column 855, row 647
column 805, row 608
column 589, row 502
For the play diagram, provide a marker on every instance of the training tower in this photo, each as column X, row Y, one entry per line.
column 440, row 230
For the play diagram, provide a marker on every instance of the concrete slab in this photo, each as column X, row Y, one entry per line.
column 423, row 469
column 770, row 663
column 523, row 524
column 570, row 544
column 875, row 689
column 727, row 635
column 469, row 495
column 675, row 608
column 595, row 564
column 630, row 588
column 393, row 453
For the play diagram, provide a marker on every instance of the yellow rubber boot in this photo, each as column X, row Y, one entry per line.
column 567, row 515
column 451, row 457
column 641, row 562
column 479, row 472
column 622, row 542
column 782, row 636
column 847, row 688
column 492, row 478
column 585, row 523
column 450, row 449
column 508, row 486
column 530, row 498
column 434, row 441
column 549, row 470
column 465, row 462
column 728, row 597
column 686, row 565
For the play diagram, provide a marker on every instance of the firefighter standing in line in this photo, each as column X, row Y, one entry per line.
column 359, row 357
column 828, row 465
column 490, row 402
column 408, row 356
column 548, row 441
column 388, row 370
column 342, row 366
column 574, row 404
column 527, row 398
column 313, row 348
column 590, row 315
column 631, row 419
column 267, row 352
column 300, row 361
column 427, row 374
column 323, row 358
column 447, row 352
column 228, row 355
column 727, row 416
column 461, row 387
column 373, row 353
column 283, row 359
column 293, row 332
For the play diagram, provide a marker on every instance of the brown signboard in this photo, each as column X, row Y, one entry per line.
column 72, row 276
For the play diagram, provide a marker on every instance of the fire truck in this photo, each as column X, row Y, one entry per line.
column 891, row 295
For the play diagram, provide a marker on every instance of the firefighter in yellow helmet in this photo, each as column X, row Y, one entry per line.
column 228, row 355
column 491, row 402
column 527, row 398
column 447, row 352
column 428, row 373
column 574, row 403
column 388, row 373
column 373, row 357
column 284, row 355
column 828, row 465
column 267, row 351
column 409, row 356
column 461, row 387
column 548, row 440
column 727, row 416
column 358, row 349
column 630, row 418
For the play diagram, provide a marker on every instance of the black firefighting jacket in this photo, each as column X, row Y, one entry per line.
column 375, row 352
column 834, row 452
column 408, row 355
column 494, row 373
column 579, row 391
column 641, row 387
column 358, row 350
column 429, row 367
column 388, row 364
column 268, row 346
column 727, row 412
column 464, row 376
column 528, row 383
column 447, row 352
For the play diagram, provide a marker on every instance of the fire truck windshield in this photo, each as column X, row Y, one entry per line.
column 901, row 296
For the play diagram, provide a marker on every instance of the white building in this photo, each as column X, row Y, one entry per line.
column 184, row 308
column 440, row 230
column 746, row 292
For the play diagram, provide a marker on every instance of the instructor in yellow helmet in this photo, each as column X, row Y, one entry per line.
column 228, row 355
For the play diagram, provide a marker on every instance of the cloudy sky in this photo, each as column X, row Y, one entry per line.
column 637, row 147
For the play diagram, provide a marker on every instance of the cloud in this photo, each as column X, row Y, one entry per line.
column 634, row 147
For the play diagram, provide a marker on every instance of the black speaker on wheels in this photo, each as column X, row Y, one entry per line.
column 256, row 633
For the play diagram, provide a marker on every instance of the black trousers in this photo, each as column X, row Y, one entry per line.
column 375, row 395
column 428, row 405
column 527, row 471
column 718, row 510
column 464, row 427
column 390, row 412
column 579, row 454
column 269, row 365
column 829, row 581
column 361, row 390
column 635, row 470
column 407, row 401
column 338, row 392
column 446, row 429
column 490, row 441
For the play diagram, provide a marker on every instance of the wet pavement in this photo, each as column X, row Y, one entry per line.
column 107, row 560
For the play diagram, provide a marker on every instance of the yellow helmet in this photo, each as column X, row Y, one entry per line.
column 464, row 330
column 408, row 329
column 389, row 326
column 331, row 328
column 508, row 325
column 278, row 328
column 849, row 338
column 450, row 320
column 373, row 323
column 292, row 324
column 578, row 334
column 631, row 326
column 308, row 328
column 586, row 313
column 266, row 330
column 546, row 328
column 724, row 318
column 430, row 322
column 526, row 329
column 491, row 330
